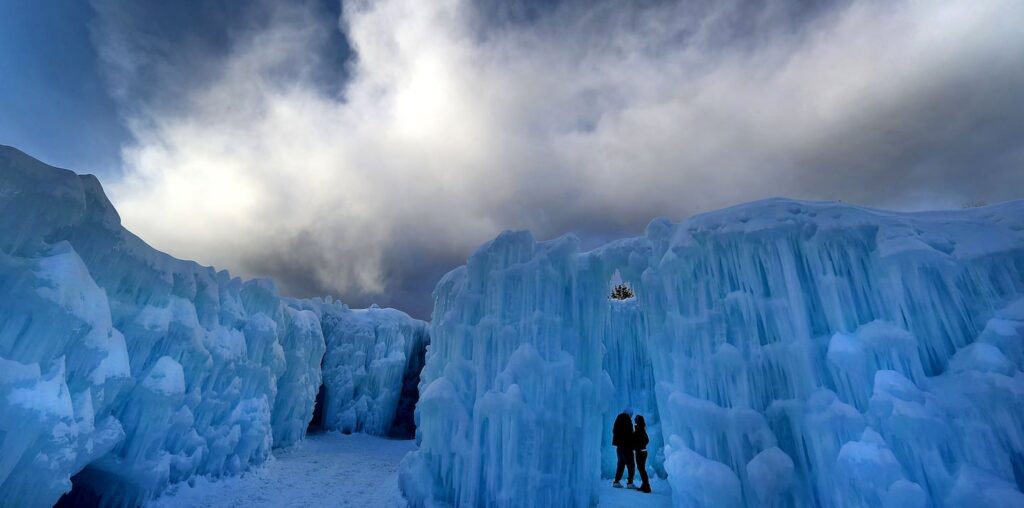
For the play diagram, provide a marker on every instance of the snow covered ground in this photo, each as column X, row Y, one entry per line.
column 329, row 470
column 660, row 496
column 335, row 470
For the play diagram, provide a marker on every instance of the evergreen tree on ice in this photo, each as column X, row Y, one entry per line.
column 622, row 292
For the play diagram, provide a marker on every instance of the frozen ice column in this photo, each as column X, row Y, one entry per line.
column 511, row 399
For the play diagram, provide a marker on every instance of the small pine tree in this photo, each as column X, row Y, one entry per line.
column 622, row 292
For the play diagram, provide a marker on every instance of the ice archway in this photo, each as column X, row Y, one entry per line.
column 628, row 364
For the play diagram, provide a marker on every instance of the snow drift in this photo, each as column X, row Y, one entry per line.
column 129, row 369
column 791, row 354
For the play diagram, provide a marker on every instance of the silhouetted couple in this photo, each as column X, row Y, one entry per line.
column 631, row 448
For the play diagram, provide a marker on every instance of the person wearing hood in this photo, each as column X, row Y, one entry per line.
column 622, row 440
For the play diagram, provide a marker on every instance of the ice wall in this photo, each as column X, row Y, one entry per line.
column 370, row 353
column 511, row 394
column 802, row 354
column 124, row 366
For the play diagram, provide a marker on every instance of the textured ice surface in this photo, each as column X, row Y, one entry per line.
column 807, row 354
column 129, row 370
column 369, row 352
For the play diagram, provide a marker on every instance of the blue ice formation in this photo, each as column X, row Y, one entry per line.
column 128, row 369
column 790, row 354
column 369, row 353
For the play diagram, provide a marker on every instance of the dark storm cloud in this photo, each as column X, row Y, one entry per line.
column 411, row 266
column 156, row 52
column 956, row 140
column 366, row 156
column 53, row 102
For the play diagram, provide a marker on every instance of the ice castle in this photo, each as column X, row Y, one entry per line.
column 785, row 353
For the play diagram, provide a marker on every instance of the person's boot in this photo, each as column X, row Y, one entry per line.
column 645, row 488
column 617, row 485
column 630, row 486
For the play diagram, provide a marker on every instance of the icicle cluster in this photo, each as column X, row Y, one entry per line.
column 790, row 353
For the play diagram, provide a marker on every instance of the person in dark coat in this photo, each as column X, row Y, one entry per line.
column 640, row 441
column 622, row 440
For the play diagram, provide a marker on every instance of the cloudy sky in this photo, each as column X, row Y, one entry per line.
column 362, row 149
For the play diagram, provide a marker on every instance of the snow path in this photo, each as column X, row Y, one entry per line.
column 329, row 470
column 660, row 497
column 335, row 470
